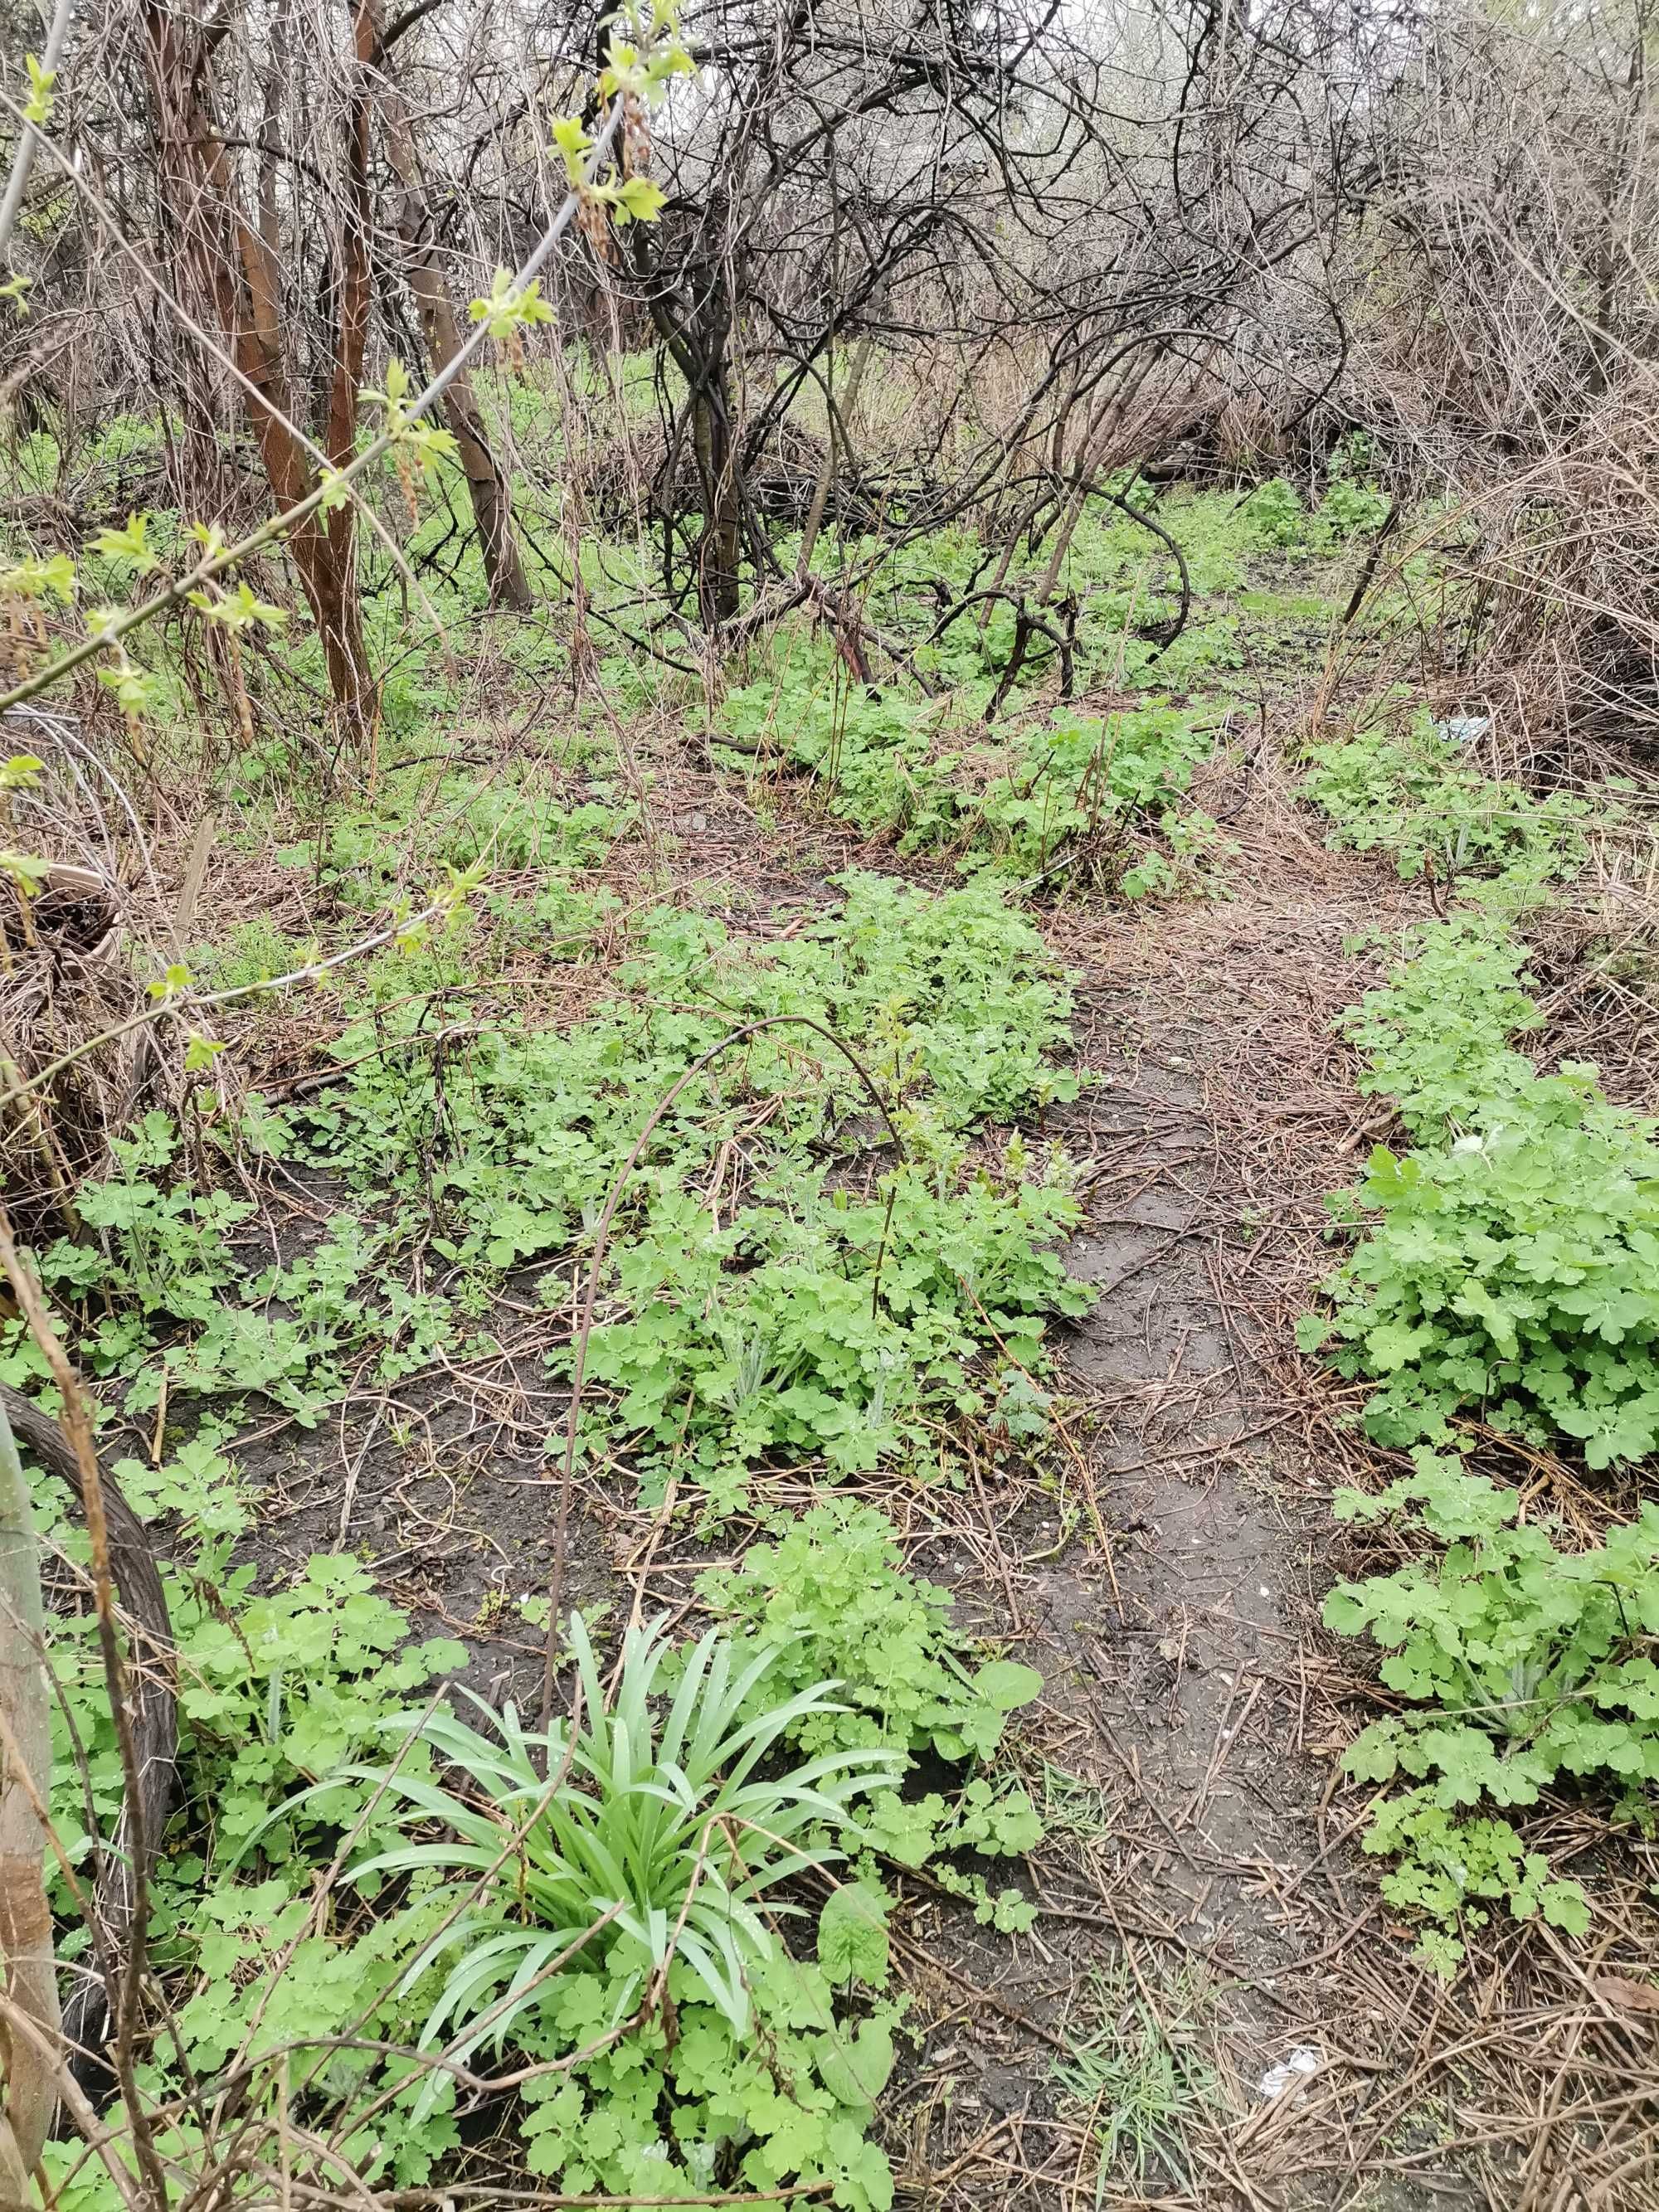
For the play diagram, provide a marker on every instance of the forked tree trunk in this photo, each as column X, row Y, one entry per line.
column 234, row 265
column 694, row 321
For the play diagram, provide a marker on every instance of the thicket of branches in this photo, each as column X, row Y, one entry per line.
column 913, row 265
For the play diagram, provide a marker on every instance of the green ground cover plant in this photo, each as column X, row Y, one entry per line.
column 1512, row 1264
column 467, row 1081
column 1408, row 787
column 858, row 1289
column 808, row 1317
column 661, row 1855
column 1351, row 505
column 279, row 1691
column 1096, row 798
column 828, row 1597
column 1079, row 789
column 1138, row 2073
column 1506, row 1274
column 685, row 1949
column 1524, row 1666
column 605, row 1906
column 864, row 1284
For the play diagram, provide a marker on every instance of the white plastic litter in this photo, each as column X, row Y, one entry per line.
column 1302, row 2062
column 1464, row 729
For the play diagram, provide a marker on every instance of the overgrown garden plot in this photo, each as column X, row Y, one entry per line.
column 650, row 1074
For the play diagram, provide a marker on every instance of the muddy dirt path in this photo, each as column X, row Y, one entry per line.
column 1212, row 1705
column 1197, row 1688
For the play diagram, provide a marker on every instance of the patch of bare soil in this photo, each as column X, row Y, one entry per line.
column 1211, row 1920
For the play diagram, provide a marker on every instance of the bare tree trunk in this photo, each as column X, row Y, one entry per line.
column 129, row 1714
column 26, row 1940
column 717, row 579
column 491, row 507
column 342, row 629
column 694, row 321
column 837, row 420
column 236, row 265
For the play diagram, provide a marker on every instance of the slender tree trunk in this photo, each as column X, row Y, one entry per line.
column 491, row 507
column 717, row 582
column 26, row 1940
column 343, row 628
column 837, row 419
column 694, row 321
column 235, row 262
